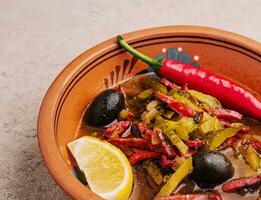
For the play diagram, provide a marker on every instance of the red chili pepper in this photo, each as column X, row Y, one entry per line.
column 155, row 140
column 244, row 128
column 231, row 93
column 182, row 109
column 231, row 142
column 212, row 196
column 225, row 122
column 116, row 129
column 170, row 84
column 108, row 131
column 164, row 97
column 154, row 148
column 178, row 107
column 147, row 134
column 165, row 162
column 130, row 116
column 142, row 155
column 130, row 142
column 229, row 124
column 167, row 148
column 142, row 127
column 194, row 143
column 225, row 114
column 240, row 183
column 191, row 152
column 126, row 150
column 184, row 86
column 145, row 131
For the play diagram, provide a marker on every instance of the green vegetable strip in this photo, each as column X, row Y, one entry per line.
column 189, row 123
column 221, row 136
column 204, row 98
column 175, row 132
column 168, row 114
column 154, row 172
column 252, row 158
column 146, row 94
column 219, row 125
column 210, row 125
column 176, row 178
column 176, row 141
column 184, row 99
column 182, row 132
column 168, row 124
column 150, row 115
column 155, row 85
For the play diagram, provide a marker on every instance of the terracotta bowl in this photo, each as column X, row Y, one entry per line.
column 106, row 64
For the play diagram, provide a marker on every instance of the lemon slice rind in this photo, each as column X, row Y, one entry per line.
column 123, row 190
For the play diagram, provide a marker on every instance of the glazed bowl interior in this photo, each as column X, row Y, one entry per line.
column 107, row 64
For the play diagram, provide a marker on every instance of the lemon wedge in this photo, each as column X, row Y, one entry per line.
column 106, row 168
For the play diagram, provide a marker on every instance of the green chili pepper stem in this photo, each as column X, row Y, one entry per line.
column 155, row 64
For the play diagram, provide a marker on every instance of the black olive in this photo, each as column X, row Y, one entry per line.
column 104, row 108
column 211, row 169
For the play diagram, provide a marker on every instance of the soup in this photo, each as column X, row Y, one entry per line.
column 181, row 143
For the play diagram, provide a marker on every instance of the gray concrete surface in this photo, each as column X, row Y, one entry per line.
column 38, row 38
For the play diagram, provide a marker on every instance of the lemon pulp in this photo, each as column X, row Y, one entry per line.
column 106, row 168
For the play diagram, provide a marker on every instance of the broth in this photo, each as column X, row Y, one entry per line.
column 144, row 188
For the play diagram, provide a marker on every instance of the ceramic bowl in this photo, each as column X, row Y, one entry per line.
column 106, row 64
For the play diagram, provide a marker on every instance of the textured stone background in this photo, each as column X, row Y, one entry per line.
column 38, row 38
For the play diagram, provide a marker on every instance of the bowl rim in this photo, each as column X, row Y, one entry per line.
column 45, row 124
